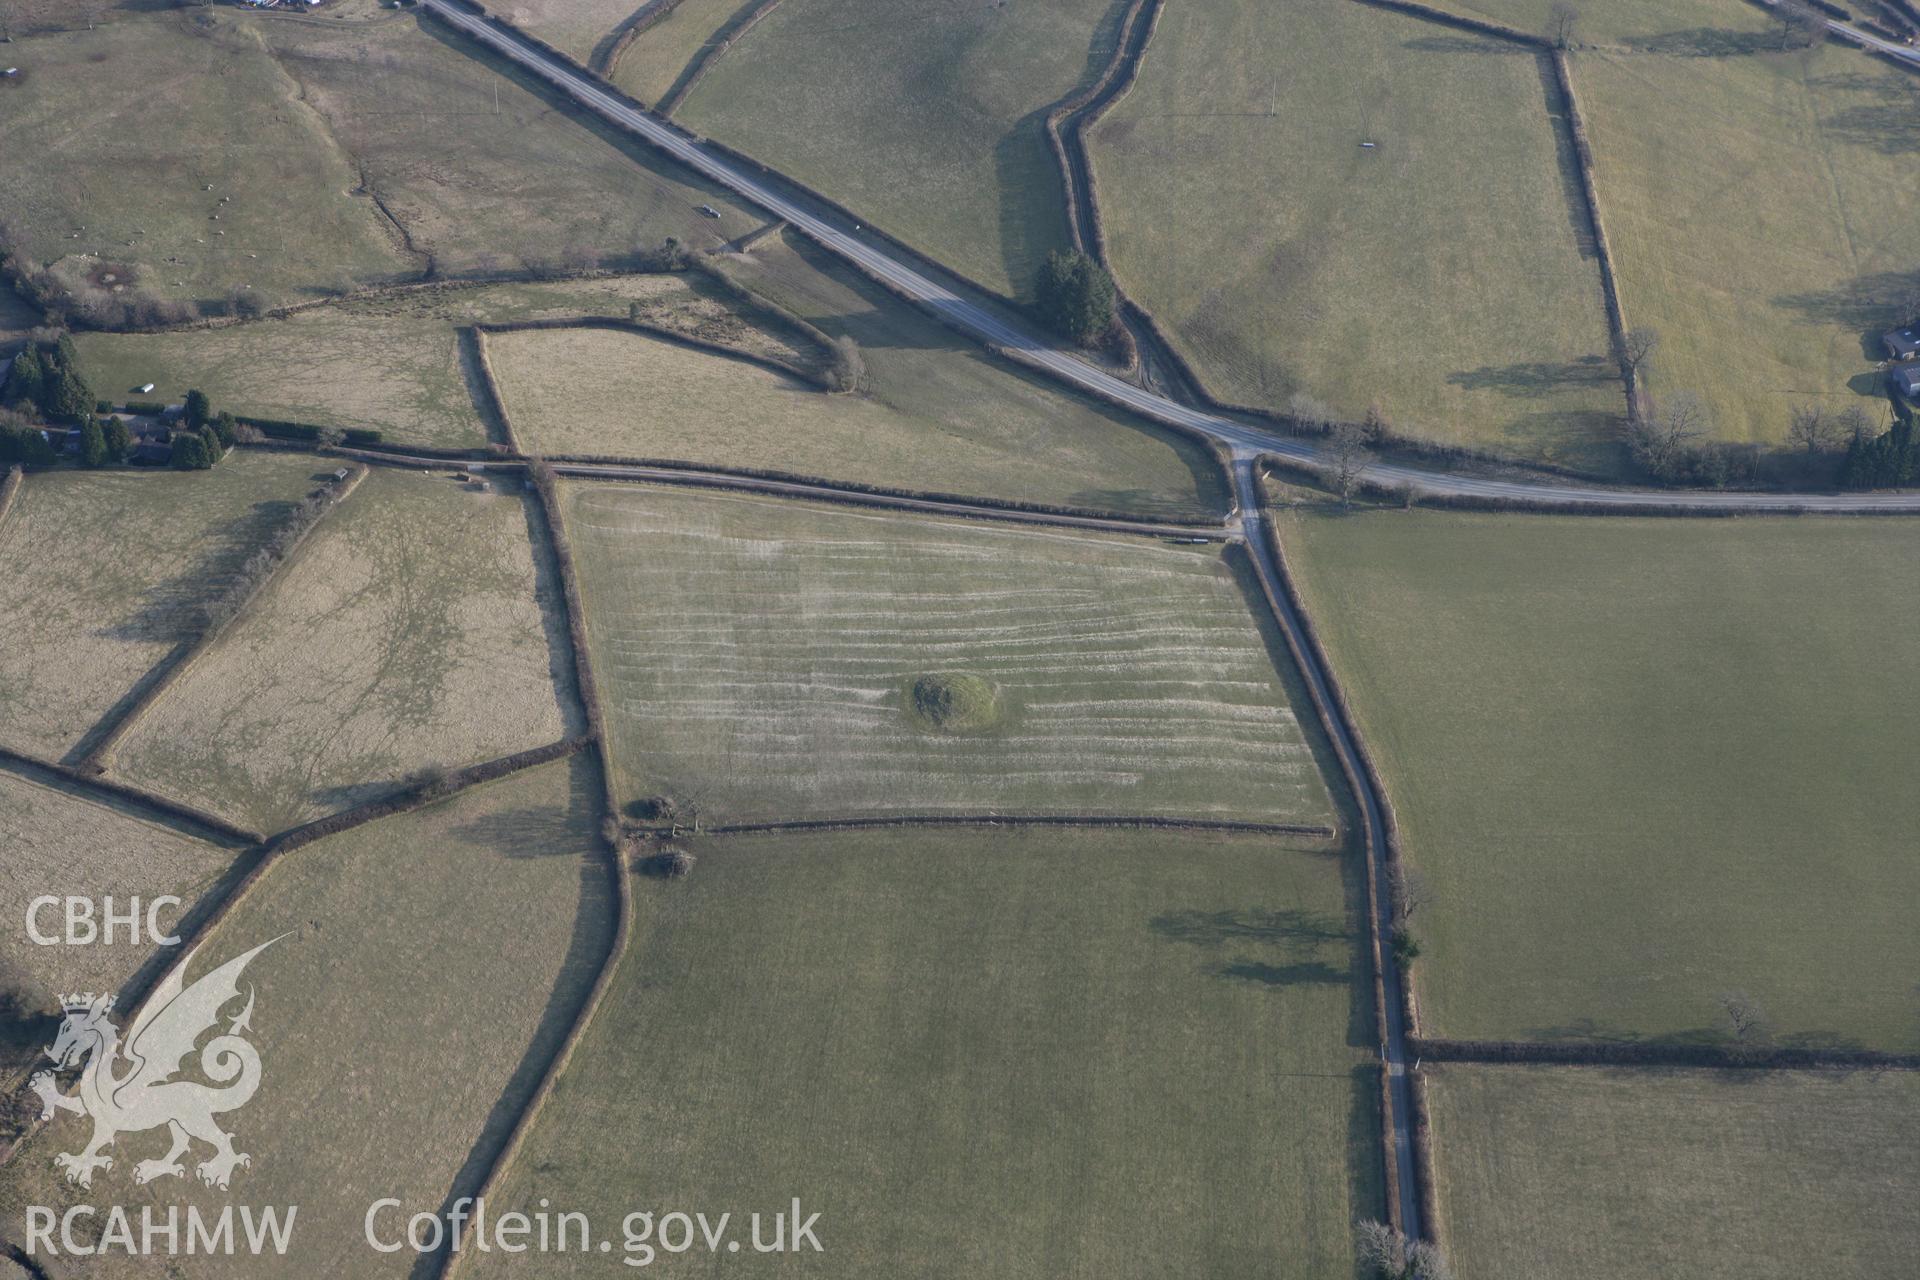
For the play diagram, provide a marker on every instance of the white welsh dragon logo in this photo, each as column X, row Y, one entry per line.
column 129, row 1089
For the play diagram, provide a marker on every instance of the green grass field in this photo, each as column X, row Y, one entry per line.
column 1444, row 274
column 597, row 392
column 105, row 574
column 59, row 842
column 390, row 363
column 411, row 629
column 922, row 115
column 122, row 142
column 1594, row 1175
column 1643, row 763
column 656, row 59
column 1759, row 219
column 1670, row 24
column 758, row 657
column 983, row 427
column 575, row 27
column 415, row 109
column 1021, row 1054
column 430, row 964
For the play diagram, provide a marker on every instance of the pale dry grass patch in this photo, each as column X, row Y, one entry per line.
column 106, row 571
column 392, row 363
column 427, row 967
column 411, row 630
column 59, row 843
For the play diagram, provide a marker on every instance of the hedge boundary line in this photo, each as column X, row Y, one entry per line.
column 397, row 289
column 223, row 831
column 262, row 853
column 98, row 757
column 1362, row 768
column 1066, row 123
column 1680, row 509
column 485, row 392
column 856, row 493
column 1602, row 243
column 1097, row 821
column 606, row 59
column 1479, row 26
column 1588, row 1053
column 547, row 498
column 409, row 798
column 1184, row 370
column 711, row 52
column 10, row 488
column 1065, row 127
column 920, row 260
column 542, row 482
column 762, row 480
column 1376, row 953
column 769, row 312
column 496, row 404
column 1364, row 757
column 641, row 328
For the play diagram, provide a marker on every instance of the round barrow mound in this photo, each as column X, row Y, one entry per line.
column 955, row 703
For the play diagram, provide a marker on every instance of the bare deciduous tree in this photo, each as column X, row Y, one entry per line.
column 1563, row 21
column 1411, row 892
column 1634, row 349
column 1813, row 429
column 330, row 437
column 1663, row 442
column 1744, row 1017
column 1391, row 1256
column 1308, row 413
column 1376, row 423
column 1800, row 27
column 1348, row 453
column 1907, row 304
column 1853, row 423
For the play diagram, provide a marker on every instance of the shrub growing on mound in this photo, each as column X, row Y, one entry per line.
column 953, row 703
column 668, row 864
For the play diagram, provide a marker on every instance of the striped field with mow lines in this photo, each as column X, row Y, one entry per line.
column 756, row 656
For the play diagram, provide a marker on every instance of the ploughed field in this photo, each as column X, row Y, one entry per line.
column 765, row 659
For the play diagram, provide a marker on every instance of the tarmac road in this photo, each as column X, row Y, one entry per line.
column 988, row 326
